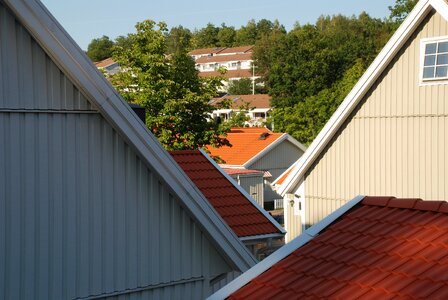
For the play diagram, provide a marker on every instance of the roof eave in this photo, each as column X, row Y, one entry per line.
column 383, row 59
column 244, row 192
column 283, row 252
column 77, row 66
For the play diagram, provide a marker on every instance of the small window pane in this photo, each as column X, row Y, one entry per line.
column 442, row 59
column 441, row 71
column 430, row 60
column 428, row 72
column 443, row 47
column 431, row 48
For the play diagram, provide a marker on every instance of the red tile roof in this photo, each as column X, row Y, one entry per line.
column 238, row 212
column 382, row 248
column 254, row 101
column 241, row 49
column 246, row 144
column 104, row 63
column 204, row 51
column 229, row 74
column 223, row 58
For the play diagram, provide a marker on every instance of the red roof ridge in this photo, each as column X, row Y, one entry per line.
column 409, row 203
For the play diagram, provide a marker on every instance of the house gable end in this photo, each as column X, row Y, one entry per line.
column 31, row 80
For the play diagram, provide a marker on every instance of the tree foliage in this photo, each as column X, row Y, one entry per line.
column 100, row 48
column 401, row 9
column 175, row 98
column 305, row 68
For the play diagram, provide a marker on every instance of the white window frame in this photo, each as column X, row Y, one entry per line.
column 430, row 81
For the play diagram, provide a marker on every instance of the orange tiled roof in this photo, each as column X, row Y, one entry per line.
column 255, row 101
column 383, row 248
column 104, row 63
column 223, row 58
column 229, row 74
column 238, row 212
column 246, row 144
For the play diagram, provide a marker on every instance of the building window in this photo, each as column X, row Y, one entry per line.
column 435, row 60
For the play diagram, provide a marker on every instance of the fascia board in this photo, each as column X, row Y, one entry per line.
column 283, row 252
column 383, row 59
column 244, row 192
column 77, row 66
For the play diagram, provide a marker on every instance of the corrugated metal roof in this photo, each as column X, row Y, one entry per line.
column 382, row 248
column 237, row 211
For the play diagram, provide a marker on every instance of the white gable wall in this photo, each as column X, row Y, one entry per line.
column 80, row 213
column 394, row 143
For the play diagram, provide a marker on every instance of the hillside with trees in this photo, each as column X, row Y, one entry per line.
column 308, row 71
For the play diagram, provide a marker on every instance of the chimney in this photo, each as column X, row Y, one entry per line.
column 139, row 111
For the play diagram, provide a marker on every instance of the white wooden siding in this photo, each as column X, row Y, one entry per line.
column 395, row 141
column 278, row 159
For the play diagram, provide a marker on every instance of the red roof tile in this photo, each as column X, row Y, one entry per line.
column 104, row 63
column 204, row 51
column 243, row 73
column 237, row 211
column 254, row 101
column 246, row 144
column 382, row 248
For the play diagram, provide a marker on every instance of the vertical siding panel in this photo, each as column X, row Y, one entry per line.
column 3, row 212
column 95, row 205
column 107, row 190
column 29, row 208
column 144, row 215
column 70, row 181
column 131, row 219
column 119, row 215
column 83, row 203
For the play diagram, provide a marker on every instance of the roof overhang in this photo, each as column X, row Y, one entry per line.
column 64, row 51
column 245, row 194
column 283, row 252
column 283, row 137
column 374, row 71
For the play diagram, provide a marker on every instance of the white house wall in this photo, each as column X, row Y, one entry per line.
column 394, row 143
column 278, row 159
column 80, row 214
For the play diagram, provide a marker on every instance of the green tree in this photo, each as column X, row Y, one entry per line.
column 247, row 35
column 179, row 39
column 207, row 37
column 100, row 48
column 401, row 9
column 175, row 99
column 305, row 119
column 240, row 87
column 226, row 36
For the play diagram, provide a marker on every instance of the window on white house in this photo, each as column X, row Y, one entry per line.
column 435, row 61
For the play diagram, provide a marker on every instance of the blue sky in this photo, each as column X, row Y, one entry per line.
column 85, row 20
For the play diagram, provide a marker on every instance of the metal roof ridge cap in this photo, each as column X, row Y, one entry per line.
column 244, row 193
column 283, row 252
column 361, row 87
